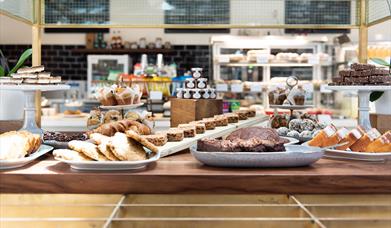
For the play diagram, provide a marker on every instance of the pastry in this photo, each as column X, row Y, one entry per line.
column 188, row 130
column 296, row 96
column 321, row 138
column 132, row 116
column 221, row 120
column 123, row 96
column 143, row 141
column 382, row 144
column 157, row 140
column 104, row 148
column 70, row 155
column 361, row 144
column 72, row 112
column 263, row 133
column 336, row 138
column 88, row 149
column 112, row 116
column 293, row 134
column 126, row 149
column 175, row 134
column 232, row 117
column 18, row 144
column 242, row 114
column 44, row 75
column 305, row 134
column 136, row 126
column 362, row 66
column 200, row 127
column 33, row 69
column 250, row 112
column 349, row 139
column 94, row 118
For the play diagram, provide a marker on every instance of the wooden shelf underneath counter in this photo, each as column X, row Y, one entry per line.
column 182, row 174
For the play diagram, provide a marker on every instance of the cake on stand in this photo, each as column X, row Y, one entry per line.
column 363, row 99
column 29, row 105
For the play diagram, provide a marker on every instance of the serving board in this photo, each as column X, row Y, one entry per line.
column 173, row 147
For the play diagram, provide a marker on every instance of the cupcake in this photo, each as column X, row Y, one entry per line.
column 123, row 96
column 106, row 96
column 136, row 94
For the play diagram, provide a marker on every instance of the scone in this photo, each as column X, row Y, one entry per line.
column 349, row 139
column 361, row 144
column 382, row 144
column 88, row 149
column 126, row 149
column 320, row 139
column 70, row 155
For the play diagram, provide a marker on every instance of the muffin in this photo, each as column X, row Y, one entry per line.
column 123, row 96
column 106, row 97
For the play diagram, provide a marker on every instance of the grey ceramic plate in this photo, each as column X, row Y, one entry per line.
column 11, row 164
column 294, row 156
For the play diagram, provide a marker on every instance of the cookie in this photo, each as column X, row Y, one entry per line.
column 135, row 136
column 126, row 149
column 70, row 155
column 88, row 149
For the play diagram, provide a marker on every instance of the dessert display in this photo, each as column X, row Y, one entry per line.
column 18, row 144
column 302, row 127
column 119, row 95
column 31, row 75
column 363, row 74
column 196, row 87
column 252, row 139
column 356, row 140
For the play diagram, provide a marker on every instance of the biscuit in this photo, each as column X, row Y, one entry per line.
column 135, row 136
column 106, row 151
column 98, row 138
column 126, row 149
column 88, row 149
column 70, row 155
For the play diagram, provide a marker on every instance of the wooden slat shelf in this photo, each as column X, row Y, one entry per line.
column 123, row 51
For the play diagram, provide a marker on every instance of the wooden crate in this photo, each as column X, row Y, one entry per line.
column 187, row 110
column 381, row 122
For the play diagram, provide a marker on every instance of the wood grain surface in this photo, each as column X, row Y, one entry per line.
column 181, row 174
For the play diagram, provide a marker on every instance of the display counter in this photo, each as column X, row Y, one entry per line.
column 182, row 174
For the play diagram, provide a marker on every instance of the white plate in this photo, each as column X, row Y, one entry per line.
column 291, row 140
column 119, row 107
column 110, row 165
column 293, row 107
column 10, row 164
column 361, row 156
column 295, row 156
column 360, row 87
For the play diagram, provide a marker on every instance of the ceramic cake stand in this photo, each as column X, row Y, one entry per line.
column 363, row 100
column 29, row 106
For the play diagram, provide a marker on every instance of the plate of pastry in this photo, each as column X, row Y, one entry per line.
column 18, row 148
column 254, row 147
column 359, row 143
column 122, row 151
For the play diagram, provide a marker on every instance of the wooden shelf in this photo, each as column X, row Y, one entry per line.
column 123, row 51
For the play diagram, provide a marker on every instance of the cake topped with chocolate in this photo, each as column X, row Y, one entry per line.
column 363, row 74
column 252, row 139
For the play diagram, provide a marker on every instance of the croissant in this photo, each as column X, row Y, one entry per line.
column 109, row 129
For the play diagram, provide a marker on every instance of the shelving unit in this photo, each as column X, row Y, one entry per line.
column 123, row 51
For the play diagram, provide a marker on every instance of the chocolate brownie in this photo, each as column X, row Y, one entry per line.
column 379, row 79
column 362, row 66
column 344, row 73
column 380, row 71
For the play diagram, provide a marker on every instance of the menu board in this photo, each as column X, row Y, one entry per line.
column 76, row 12
column 318, row 12
column 197, row 12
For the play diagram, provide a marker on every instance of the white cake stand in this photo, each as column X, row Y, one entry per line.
column 363, row 100
column 29, row 106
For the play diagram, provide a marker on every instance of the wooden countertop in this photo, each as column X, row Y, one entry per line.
column 181, row 173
